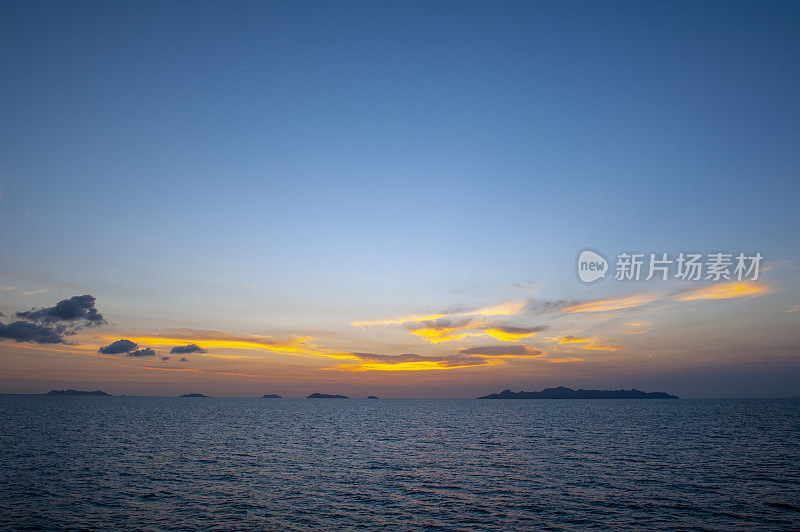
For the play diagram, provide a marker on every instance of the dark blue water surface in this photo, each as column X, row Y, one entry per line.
column 297, row 464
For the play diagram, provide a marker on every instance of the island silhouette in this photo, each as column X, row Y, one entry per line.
column 326, row 396
column 193, row 395
column 561, row 392
column 372, row 397
column 77, row 392
column 271, row 396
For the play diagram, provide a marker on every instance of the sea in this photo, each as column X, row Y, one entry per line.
column 146, row 463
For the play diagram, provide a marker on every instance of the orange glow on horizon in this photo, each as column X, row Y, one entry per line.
column 422, row 365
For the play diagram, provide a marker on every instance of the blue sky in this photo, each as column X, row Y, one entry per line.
column 274, row 168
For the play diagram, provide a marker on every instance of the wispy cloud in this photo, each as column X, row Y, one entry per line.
column 511, row 334
column 618, row 303
column 638, row 327
column 465, row 358
column 444, row 329
column 732, row 290
column 729, row 290
column 505, row 308
column 591, row 343
column 194, row 370
column 503, row 351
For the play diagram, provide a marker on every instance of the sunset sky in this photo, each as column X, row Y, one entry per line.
column 389, row 198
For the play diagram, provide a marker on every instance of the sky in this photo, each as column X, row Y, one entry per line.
column 390, row 198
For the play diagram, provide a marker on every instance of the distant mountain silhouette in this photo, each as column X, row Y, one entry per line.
column 569, row 393
column 193, row 395
column 326, row 396
column 76, row 392
column 271, row 396
column 372, row 397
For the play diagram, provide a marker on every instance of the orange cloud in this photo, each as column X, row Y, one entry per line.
column 732, row 290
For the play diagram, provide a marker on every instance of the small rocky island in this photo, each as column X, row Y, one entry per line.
column 271, row 396
column 372, row 397
column 77, row 392
column 193, row 395
column 326, row 396
column 568, row 393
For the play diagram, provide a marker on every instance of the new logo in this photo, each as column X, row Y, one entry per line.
column 591, row 266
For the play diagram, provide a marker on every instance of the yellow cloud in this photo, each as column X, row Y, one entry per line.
column 573, row 340
column 510, row 334
column 436, row 335
column 732, row 290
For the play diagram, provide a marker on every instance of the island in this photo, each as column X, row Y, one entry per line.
column 326, row 396
column 77, row 392
column 193, row 395
column 271, row 396
column 372, row 397
column 568, row 393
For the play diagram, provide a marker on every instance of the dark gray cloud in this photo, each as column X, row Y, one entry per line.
column 42, row 325
column 146, row 352
column 164, row 358
column 184, row 359
column 438, row 324
column 25, row 331
column 74, row 309
column 503, row 351
column 520, row 330
column 543, row 306
column 186, row 349
column 120, row 346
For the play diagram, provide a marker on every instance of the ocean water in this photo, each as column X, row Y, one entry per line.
column 334, row 465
